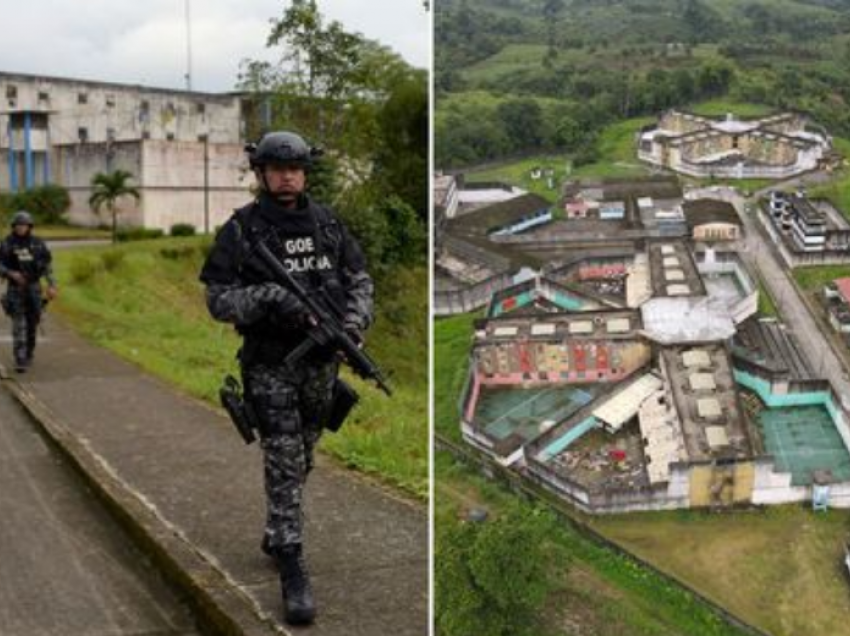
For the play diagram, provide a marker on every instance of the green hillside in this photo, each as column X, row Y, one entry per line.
column 554, row 74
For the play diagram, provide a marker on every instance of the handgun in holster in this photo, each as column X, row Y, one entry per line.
column 241, row 413
column 343, row 399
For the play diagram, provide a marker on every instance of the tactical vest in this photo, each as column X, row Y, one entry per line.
column 27, row 255
column 265, row 338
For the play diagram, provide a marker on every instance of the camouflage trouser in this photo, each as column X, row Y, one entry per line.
column 23, row 305
column 290, row 406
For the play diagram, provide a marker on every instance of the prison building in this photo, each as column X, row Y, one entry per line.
column 808, row 225
column 184, row 149
column 774, row 147
column 711, row 220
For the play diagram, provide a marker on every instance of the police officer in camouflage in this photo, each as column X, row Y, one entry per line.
column 24, row 261
column 289, row 403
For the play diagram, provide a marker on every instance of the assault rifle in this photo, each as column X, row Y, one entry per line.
column 328, row 332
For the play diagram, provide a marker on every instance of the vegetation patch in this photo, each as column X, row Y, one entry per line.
column 812, row 279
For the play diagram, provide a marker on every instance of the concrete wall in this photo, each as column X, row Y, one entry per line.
column 127, row 111
column 672, row 497
column 712, row 484
column 459, row 301
column 746, row 306
column 169, row 176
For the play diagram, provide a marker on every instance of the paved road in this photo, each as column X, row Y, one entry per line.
column 66, row 569
column 62, row 244
column 760, row 255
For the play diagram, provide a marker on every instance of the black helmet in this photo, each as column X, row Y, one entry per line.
column 22, row 217
column 283, row 148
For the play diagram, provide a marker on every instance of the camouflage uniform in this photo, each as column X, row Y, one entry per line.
column 30, row 256
column 290, row 403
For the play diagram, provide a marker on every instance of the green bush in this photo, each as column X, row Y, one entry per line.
column 177, row 253
column 48, row 203
column 182, row 229
column 138, row 234
column 112, row 259
column 82, row 269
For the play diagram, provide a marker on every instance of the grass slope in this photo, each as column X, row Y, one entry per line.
column 148, row 308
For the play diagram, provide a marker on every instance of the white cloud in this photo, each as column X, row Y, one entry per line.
column 145, row 42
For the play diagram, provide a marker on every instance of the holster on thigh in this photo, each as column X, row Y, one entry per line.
column 344, row 398
column 11, row 303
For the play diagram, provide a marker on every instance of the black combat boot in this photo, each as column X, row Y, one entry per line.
column 299, row 608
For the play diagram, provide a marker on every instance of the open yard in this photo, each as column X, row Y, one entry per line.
column 779, row 568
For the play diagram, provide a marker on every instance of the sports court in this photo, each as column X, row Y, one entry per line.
column 502, row 412
column 804, row 439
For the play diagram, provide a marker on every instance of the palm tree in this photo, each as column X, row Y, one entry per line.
column 108, row 188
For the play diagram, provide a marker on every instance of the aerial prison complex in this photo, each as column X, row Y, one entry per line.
column 620, row 360
column 184, row 149
column 779, row 146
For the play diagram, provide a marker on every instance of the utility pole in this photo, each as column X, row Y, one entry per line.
column 207, row 183
column 188, row 47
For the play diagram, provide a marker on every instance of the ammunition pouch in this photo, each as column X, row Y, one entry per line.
column 241, row 413
column 343, row 399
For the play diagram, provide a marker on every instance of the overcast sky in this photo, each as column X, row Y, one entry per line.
column 144, row 41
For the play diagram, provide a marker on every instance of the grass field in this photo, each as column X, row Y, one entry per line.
column 515, row 58
column 618, row 151
column 72, row 233
column 143, row 301
column 777, row 568
column 512, row 58
column 452, row 339
column 812, row 279
column 766, row 307
column 838, row 189
column 518, row 173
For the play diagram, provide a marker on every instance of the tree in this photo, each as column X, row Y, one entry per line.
column 365, row 105
column 523, row 121
column 551, row 9
column 493, row 578
column 108, row 189
column 402, row 157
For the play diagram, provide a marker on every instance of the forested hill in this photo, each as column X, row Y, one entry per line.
column 523, row 76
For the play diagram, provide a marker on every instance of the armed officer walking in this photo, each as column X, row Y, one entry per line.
column 290, row 402
column 24, row 261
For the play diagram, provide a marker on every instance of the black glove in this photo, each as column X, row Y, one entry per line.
column 282, row 306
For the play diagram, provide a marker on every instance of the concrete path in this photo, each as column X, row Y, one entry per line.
column 192, row 492
column 66, row 567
